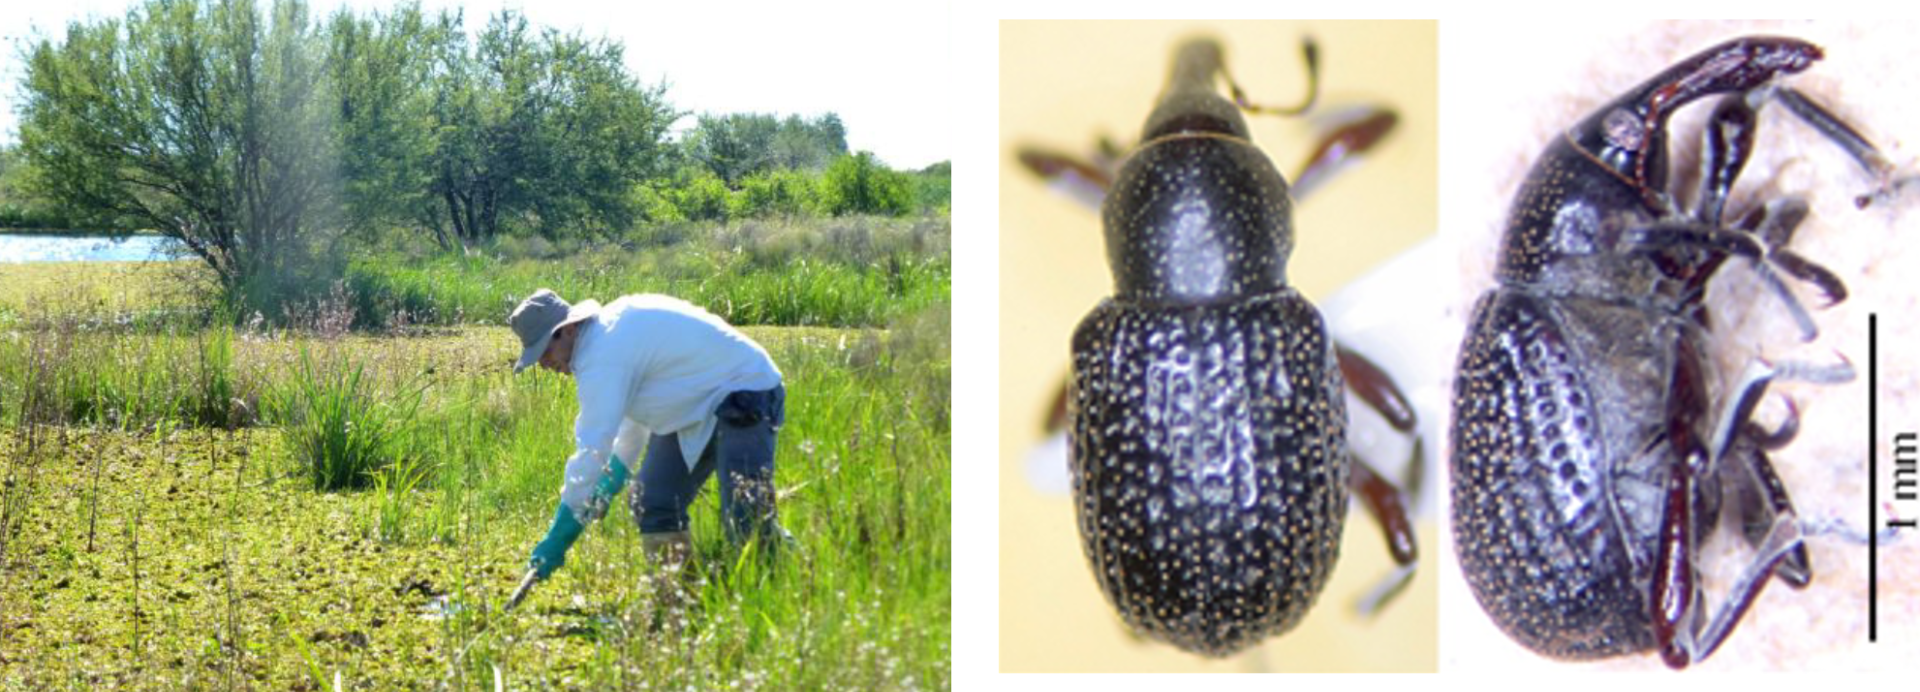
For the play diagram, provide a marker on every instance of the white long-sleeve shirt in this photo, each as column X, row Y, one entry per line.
column 648, row 364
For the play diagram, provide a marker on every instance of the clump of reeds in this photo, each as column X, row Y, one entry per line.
column 340, row 428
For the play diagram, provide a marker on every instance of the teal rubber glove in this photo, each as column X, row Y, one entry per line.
column 551, row 552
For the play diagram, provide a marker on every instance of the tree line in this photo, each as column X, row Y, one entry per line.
column 265, row 139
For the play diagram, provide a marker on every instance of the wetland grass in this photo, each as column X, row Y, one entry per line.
column 149, row 539
column 344, row 434
column 851, row 272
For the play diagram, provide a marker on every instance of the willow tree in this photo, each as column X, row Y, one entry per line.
column 204, row 120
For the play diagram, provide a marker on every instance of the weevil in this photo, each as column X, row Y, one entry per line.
column 1209, row 462
column 1588, row 453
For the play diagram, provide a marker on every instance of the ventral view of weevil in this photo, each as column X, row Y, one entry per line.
column 1599, row 434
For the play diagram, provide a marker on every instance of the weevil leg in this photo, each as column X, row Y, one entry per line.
column 1385, row 503
column 1762, row 500
column 1761, row 495
column 1663, row 235
column 1048, row 462
column 1774, row 223
column 1783, row 539
column 1778, row 438
column 1730, row 140
column 1727, row 146
column 1887, row 176
column 1341, row 146
column 1832, row 127
column 1377, row 389
column 1084, row 182
column 1752, row 386
column 1674, row 599
column 1807, row 271
column 1729, row 143
column 1056, row 419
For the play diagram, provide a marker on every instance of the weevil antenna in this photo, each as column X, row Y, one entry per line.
column 1310, row 51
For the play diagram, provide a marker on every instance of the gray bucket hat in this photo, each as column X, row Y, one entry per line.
column 538, row 317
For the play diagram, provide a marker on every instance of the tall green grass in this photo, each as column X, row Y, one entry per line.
column 128, row 380
column 854, row 272
column 345, row 433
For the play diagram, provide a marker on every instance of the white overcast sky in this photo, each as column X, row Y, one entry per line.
column 885, row 67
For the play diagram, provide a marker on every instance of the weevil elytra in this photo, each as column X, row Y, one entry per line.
column 1601, row 262
column 1210, row 463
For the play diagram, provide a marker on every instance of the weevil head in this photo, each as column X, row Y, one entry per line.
column 1628, row 138
column 1609, row 174
column 1629, row 135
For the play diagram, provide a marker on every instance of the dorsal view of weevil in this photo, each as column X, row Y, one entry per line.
column 1211, row 473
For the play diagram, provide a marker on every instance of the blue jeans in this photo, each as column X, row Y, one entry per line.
column 742, row 450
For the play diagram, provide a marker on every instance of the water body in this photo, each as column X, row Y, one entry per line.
column 82, row 248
